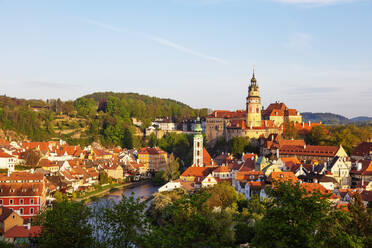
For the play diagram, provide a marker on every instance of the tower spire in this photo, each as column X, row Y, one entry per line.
column 253, row 80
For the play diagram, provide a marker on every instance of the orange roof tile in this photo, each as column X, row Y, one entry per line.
column 222, row 169
column 23, row 232
column 283, row 176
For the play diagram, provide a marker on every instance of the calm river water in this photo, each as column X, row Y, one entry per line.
column 139, row 191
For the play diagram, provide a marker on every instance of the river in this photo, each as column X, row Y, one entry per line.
column 138, row 191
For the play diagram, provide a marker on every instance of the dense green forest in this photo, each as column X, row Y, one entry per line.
column 101, row 117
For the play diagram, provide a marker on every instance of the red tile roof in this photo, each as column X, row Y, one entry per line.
column 309, row 150
column 21, row 189
column 316, row 187
column 5, row 155
column 195, row 171
column 283, row 176
column 151, row 150
column 21, row 176
column 207, row 160
column 23, row 232
column 222, row 169
column 363, row 149
column 228, row 114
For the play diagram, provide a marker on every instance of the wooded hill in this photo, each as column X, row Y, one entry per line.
column 104, row 117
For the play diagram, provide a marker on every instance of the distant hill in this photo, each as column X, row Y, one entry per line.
column 362, row 119
column 330, row 118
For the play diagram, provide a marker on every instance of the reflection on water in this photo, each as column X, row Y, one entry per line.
column 139, row 191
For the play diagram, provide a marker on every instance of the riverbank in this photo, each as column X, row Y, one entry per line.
column 109, row 188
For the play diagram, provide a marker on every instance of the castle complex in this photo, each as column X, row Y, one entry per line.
column 254, row 122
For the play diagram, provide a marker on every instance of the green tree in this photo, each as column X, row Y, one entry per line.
column 112, row 105
column 317, row 136
column 103, row 177
column 124, row 224
column 361, row 224
column 66, row 225
column 239, row 145
column 158, row 178
column 221, row 195
column 127, row 139
column 58, row 196
column 295, row 218
column 290, row 130
column 192, row 224
column 172, row 167
column 85, row 106
column 152, row 140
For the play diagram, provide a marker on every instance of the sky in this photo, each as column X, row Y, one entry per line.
column 313, row 55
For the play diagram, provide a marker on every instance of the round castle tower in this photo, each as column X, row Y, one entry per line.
column 198, row 145
column 253, row 105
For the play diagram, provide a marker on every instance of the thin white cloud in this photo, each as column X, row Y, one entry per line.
column 299, row 41
column 159, row 40
column 315, row 2
column 179, row 47
column 102, row 25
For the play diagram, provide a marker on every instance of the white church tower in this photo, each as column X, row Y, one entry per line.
column 198, row 145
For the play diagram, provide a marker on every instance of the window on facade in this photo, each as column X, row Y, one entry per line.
column 198, row 153
column 11, row 201
column 13, row 216
column 32, row 201
column 21, row 210
column 198, row 144
column 31, row 211
column 1, row 202
column 21, row 201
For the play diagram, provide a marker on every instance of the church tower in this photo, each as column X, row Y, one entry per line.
column 253, row 105
column 198, row 145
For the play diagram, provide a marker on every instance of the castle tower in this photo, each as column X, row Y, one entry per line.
column 253, row 105
column 198, row 145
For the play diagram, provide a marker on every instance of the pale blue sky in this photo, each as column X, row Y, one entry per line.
column 314, row 55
